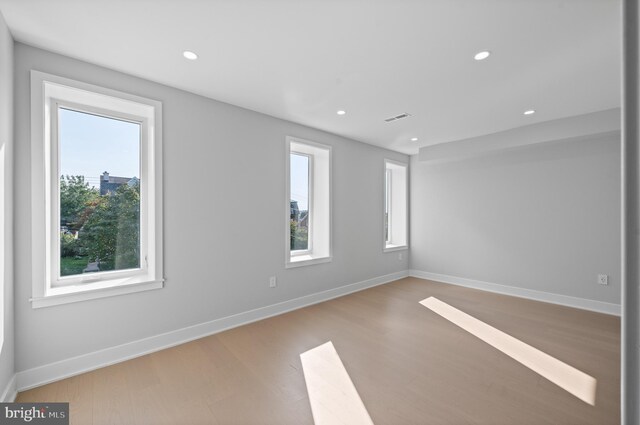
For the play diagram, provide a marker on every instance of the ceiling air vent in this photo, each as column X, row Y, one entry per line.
column 397, row 117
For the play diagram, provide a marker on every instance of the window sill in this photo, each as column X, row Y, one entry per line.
column 305, row 260
column 76, row 293
column 391, row 248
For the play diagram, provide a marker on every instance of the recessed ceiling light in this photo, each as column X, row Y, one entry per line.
column 414, row 139
column 189, row 55
column 530, row 112
column 341, row 112
column 482, row 55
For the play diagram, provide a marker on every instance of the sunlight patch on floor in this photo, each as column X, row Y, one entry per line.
column 333, row 397
column 565, row 376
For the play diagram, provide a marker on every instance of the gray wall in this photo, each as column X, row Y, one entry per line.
column 544, row 217
column 224, row 199
column 6, row 203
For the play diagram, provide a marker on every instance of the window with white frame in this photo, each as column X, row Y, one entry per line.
column 308, row 203
column 395, row 205
column 96, row 191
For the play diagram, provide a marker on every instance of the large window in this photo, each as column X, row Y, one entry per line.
column 395, row 205
column 100, row 191
column 308, row 218
column 99, row 213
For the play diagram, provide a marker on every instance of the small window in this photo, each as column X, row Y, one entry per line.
column 387, row 205
column 300, row 202
column 395, row 205
column 308, row 235
column 100, row 188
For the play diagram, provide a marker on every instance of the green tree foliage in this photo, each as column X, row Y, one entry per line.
column 111, row 232
column 69, row 246
column 75, row 196
column 299, row 236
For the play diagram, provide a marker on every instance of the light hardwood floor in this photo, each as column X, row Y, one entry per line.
column 409, row 365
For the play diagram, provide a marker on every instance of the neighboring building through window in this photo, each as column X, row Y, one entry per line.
column 308, row 198
column 395, row 205
column 102, row 233
column 109, row 184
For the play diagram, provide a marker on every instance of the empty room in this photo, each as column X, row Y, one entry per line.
column 319, row 212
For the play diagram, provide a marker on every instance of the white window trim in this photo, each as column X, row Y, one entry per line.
column 387, row 246
column 47, row 93
column 299, row 259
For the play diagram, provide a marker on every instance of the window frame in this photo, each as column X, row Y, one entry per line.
column 395, row 242
column 49, row 93
column 387, row 206
column 309, row 250
column 319, row 176
column 56, row 279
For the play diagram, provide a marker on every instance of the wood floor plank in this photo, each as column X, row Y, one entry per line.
column 575, row 381
column 333, row 397
column 408, row 365
column 112, row 404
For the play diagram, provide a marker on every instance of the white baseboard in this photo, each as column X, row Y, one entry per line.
column 73, row 366
column 10, row 392
column 582, row 303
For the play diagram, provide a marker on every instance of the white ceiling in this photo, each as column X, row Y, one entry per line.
column 302, row 60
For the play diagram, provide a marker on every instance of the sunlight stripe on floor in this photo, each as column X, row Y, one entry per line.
column 566, row 377
column 333, row 397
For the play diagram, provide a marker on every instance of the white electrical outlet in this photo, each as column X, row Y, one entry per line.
column 272, row 282
column 603, row 279
column 400, row 256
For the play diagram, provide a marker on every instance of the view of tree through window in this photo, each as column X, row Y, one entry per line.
column 299, row 177
column 99, row 193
